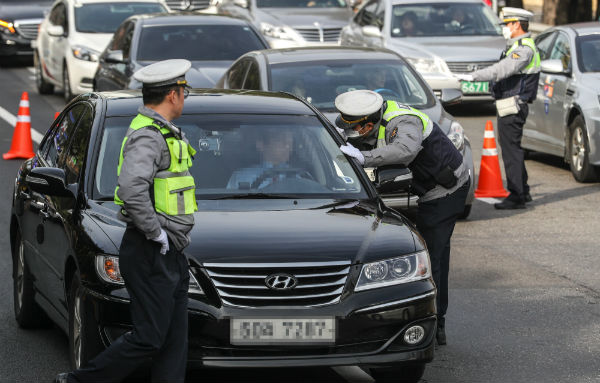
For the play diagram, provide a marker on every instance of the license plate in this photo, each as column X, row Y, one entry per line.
column 475, row 87
column 282, row 330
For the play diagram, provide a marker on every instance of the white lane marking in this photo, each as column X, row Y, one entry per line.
column 12, row 121
column 31, row 69
column 353, row 374
column 490, row 200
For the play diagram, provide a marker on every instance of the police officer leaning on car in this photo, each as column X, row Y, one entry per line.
column 514, row 85
column 388, row 133
column 157, row 197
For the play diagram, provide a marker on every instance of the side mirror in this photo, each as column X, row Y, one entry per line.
column 450, row 96
column 49, row 181
column 241, row 3
column 56, row 30
column 392, row 179
column 553, row 66
column 371, row 31
column 114, row 57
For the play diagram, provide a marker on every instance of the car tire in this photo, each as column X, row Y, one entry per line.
column 579, row 149
column 42, row 85
column 27, row 312
column 84, row 341
column 67, row 93
column 404, row 374
column 466, row 212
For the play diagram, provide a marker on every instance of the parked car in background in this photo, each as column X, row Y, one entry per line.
column 72, row 36
column 210, row 42
column 308, row 270
column 462, row 36
column 564, row 119
column 19, row 23
column 292, row 23
column 320, row 74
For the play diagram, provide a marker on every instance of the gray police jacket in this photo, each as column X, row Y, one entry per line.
column 144, row 154
column 508, row 66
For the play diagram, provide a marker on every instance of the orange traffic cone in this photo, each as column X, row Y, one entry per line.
column 56, row 115
column 490, row 178
column 21, row 146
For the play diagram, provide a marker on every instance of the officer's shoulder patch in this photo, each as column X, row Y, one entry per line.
column 393, row 134
column 515, row 56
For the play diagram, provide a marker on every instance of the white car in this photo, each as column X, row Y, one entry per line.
column 72, row 36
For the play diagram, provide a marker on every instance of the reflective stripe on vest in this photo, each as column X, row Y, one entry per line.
column 534, row 63
column 174, row 188
column 393, row 109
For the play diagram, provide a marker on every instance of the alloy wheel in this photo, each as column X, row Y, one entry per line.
column 66, row 85
column 577, row 148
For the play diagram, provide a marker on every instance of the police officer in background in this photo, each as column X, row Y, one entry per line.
column 514, row 85
column 388, row 133
column 155, row 158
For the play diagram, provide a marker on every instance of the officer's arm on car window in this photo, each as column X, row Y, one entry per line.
column 404, row 136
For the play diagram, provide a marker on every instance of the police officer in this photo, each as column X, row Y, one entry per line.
column 387, row 133
column 155, row 158
column 514, row 85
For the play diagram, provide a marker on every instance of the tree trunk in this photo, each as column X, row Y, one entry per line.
column 514, row 3
column 557, row 12
column 580, row 10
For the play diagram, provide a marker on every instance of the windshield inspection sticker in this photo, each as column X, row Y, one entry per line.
column 348, row 180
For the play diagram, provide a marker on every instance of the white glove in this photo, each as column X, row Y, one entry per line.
column 351, row 151
column 163, row 240
column 464, row 77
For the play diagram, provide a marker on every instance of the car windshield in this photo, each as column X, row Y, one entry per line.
column 443, row 19
column 106, row 17
column 300, row 3
column 588, row 53
column 197, row 42
column 321, row 82
column 248, row 156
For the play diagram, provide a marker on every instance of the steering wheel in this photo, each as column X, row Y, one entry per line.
column 275, row 172
column 386, row 91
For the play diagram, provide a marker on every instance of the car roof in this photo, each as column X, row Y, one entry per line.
column 79, row 2
column 290, row 55
column 213, row 101
column 583, row 28
column 183, row 18
column 425, row 2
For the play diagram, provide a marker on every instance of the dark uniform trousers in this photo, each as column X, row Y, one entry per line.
column 435, row 221
column 158, row 287
column 510, row 133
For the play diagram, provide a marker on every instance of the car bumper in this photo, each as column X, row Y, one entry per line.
column 14, row 45
column 81, row 74
column 592, row 123
column 368, row 333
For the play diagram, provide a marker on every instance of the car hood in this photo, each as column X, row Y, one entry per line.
column 463, row 48
column 95, row 41
column 408, row 49
column 325, row 17
column 356, row 231
column 24, row 10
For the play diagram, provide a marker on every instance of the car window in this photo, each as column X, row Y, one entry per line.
column 72, row 159
column 562, row 51
column 321, row 82
column 122, row 39
column 443, row 19
column 253, row 77
column 543, row 43
column 588, row 53
column 58, row 16
column 368, row 15
column 58, row 140
column 197, row 42
column 237, row 73
column 301, row 3
column 247, row 153
column 106, row 17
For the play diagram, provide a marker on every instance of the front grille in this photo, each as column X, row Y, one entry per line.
column 322, row 35
column 28, row 28
column 187, row 5
column 467, row 67
column 244, row 285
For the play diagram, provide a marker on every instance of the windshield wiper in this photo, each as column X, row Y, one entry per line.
column 257, row 196
column 339, row 202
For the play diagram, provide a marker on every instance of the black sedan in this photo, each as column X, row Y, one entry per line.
column 19, row 24
column 210, row 42
column 294, row 260
column 320, row 74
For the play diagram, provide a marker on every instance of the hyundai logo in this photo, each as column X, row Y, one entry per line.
column 281, row 281
column 472, row 67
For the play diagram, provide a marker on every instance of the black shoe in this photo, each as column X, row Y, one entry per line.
column 509, row 204
column 528, row 197
column 440, row 335
column 62, row 378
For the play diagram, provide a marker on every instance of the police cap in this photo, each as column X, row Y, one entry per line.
column 356, row 106
column 510, row 14
column 164, row 73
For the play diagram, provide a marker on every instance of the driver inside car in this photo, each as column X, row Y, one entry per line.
column 275, row 147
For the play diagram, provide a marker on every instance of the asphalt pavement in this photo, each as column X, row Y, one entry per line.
column 524, row 285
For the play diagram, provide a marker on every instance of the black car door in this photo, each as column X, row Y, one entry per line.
column 55, row 213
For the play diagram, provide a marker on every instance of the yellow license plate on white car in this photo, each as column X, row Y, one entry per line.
column 282, row 330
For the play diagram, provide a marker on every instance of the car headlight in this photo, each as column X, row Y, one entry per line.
column 422, row 65
column 457, row 135
column 394, row 271
column 107, row 268
column 270, row 30
column 7, row 27
column 83, row 53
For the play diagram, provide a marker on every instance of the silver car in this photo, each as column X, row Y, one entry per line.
column 293, row 23
column 438, row 37
column 564, row 119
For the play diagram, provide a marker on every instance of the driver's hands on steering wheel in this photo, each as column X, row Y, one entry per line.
column 274, row 174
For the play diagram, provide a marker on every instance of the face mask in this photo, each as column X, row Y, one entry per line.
column 506, row 32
